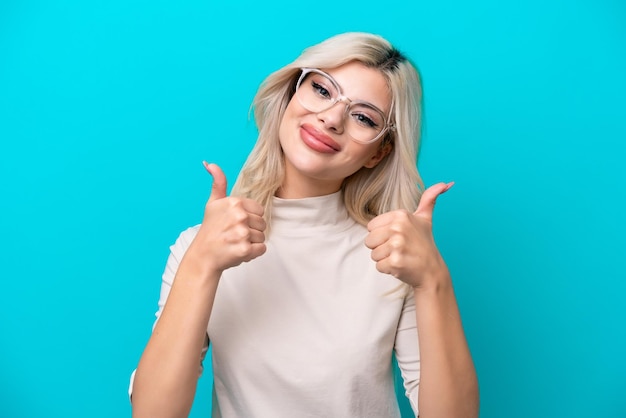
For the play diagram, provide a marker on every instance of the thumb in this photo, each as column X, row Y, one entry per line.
column 218, row 190
column 429, row 197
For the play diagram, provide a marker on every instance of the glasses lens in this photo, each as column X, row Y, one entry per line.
column 318, row 92
column 364, row 123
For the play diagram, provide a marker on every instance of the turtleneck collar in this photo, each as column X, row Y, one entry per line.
column 302, row 216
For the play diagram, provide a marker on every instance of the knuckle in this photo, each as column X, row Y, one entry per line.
column 236, row 233
column 240, row 215
column 244, row 249
column 396, row 261
column 399, row 225
column 397, row 242
column 235, row 202
column 242, row 233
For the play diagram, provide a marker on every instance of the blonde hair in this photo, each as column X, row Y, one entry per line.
column 395, row 182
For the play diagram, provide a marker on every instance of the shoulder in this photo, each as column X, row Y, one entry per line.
column 184, row 239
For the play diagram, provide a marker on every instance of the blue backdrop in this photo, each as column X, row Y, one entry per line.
column 107, row 109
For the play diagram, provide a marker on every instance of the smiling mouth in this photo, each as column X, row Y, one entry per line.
column 317, row 140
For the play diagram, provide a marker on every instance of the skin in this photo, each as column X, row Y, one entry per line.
column 312, row 173
column 402, row 245
column 232, row 232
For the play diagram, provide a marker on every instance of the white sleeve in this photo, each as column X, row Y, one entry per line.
column 177, row 251
column 407, row 350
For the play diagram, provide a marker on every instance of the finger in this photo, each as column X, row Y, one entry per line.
column 256, row 250
column 253, row 207
column 256, row 236
column 384, row 267
column 380, row 220
column 218, row 190
column 380, row 253
column 256, row 222
column 429, row 198
column 377, row 237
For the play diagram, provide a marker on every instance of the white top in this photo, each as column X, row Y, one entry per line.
column 308, row 328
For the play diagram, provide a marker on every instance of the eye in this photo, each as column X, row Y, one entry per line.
column 364, row 120
column 320, row 90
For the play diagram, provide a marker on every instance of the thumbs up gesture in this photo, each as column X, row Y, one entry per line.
column 232, row 229
column 402, row 243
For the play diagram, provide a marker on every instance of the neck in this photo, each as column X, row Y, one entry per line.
column 286, row 192
column 296, row 187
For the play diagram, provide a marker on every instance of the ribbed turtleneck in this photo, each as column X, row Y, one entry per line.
column 302, row 216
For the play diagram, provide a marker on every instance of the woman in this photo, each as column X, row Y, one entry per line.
column 321, row 264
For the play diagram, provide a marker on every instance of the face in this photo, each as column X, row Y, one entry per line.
column 319, row 152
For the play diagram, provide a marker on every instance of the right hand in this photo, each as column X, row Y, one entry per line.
column 232, row 228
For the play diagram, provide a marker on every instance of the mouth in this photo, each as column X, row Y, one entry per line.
column 317, row 140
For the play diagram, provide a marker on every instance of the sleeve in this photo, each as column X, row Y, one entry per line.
column 177, row 251
column 407, row 350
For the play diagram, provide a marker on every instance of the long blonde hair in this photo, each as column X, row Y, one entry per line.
column 395, row 182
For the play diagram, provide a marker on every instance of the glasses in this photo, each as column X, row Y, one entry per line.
column 363, row 122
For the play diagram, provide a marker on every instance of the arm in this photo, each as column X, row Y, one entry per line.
column 448, row 382
column 402, row 245
column 231, row 233
column 166, row 377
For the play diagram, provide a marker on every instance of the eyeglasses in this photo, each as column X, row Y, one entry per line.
column 317, row 91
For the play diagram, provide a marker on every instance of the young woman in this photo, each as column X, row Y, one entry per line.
column 321, row 264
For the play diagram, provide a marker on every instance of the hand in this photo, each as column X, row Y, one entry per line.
column 232, row 228
column 403, row 245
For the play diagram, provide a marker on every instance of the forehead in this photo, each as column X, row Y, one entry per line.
column 362, row 83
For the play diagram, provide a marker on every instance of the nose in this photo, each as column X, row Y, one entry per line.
column 333, row 117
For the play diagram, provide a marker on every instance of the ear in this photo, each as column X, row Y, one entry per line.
column 382, row 151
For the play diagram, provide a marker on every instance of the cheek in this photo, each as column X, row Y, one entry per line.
column 294, row 110
column 290, row 121
column 364, row 153
column 282, row 127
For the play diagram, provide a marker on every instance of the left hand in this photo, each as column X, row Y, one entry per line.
column 403, row 245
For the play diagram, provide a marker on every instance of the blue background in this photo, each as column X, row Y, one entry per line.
column 107, row 109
